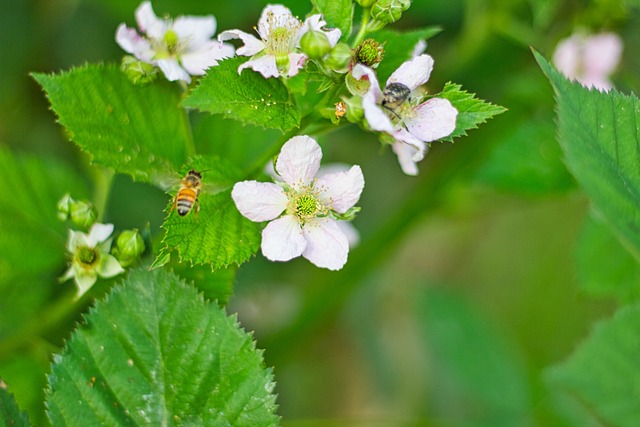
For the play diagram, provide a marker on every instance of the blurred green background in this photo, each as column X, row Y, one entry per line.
column 464, row 288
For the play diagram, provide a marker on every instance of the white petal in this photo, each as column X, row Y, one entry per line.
column 360, row 71
column 296, row 62
column 109, row 266
column 195, row 30
column 259, row 201
column 567, row 56
column 299, row 160
column 252, row 44
column 265, row 65
column 419, row 48
column 76, row 239
column 433, row 120
column 133, row 43
column 282, row 239
column 71, row 272
column 601, row 55
column 331, row 168
column 84, row 281
column 148, row 22
column 274, row 13
column 172, row 70
column 375, row 115
column 413, row 73
column 317, row 23
column 405, row 155
column 327, row 245
column 353, row 236
column 196, row 63
column 341, row 191
column 99, row 233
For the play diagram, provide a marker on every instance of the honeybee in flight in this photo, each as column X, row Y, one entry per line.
column 187, row 197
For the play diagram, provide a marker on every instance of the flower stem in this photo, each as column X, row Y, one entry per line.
column 103, row 179
column 362, row 32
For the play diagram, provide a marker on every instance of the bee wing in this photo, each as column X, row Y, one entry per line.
column 213, row 188
column 166, row 182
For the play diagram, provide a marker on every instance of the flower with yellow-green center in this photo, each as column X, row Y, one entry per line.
column 277, row 52
column 181, row 48
column 90, row 258
column 304, row 209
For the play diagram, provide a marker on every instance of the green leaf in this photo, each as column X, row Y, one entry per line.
column 155, row 353
column 398, row 48
column 214, row 285
column 476, row 364
column 247, row 97
column 218, row 235
column 134, row 129
column 337, row 13
column 602, row 374
column 604, row 267
column 599, row 136
column 471, row 110
column 10, row 414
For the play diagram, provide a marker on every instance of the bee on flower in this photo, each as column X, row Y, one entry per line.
column 304, row 209
column 181, row 48
column 277, row 52
column 398, row 110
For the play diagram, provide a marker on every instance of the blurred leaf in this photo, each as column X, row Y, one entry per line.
column 247, row 97
column 398, row 48
column 598, row 133
column 9, row 411
column 25, row 373
column 527, row 159
column 602, row 374
column 220, row 235
column 471, row 110
column 337, row 13
column 155, row 353
column 488, row 379
column 134, row 129
column 604, row 267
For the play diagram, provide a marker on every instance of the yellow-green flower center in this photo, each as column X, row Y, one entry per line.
column 280, row 39
column 87, row 256
column 171, row 41
column 304, row 204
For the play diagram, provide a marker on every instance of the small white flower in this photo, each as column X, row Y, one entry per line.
column 277, row 52
column 90, row 257
column 589, row 60
column 397, row 110
column 302, row 209
column 181, row 48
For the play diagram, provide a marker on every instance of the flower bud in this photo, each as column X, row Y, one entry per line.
column 339, row 58
column 64, row 207
column 355, row 112
column 315, row 44
column 389, row 11
column 355, row 86
column 138, row 72
column 129, row 247
column 83, row 215
column 369, row 53
column 366, row 3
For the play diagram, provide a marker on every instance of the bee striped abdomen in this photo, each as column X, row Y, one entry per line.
column 185, row 200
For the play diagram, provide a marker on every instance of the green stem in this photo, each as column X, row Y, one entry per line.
column 103, row 180
column 362, row 32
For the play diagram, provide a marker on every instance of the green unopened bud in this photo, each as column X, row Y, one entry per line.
column 355, row 112
column 138, row 72
column 366, row 3
column 315, row 44
column 369, row 53
column 389, row 11
column 129, row 247
column 64, row 207
column 83, row 215
column 339, row 58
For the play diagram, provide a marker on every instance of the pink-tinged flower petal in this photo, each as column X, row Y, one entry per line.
column 99, row 233
column 282, row 239
column 413, row 73
column 327, row 245
column 433, row 120
column 567, row 56
column 148, row 22
column 340, row 191
column 133, row 43
column 316, row 23
column 406, row 154
column 252, row 44
column 197, row 62
column 274, row 16
column 299, row 160
column 353, row 236
column 265, row 65
column 259, row 201
column 196, row 30
column 109, row 266
column 296, row 62
column 419, row 48
column 602, row 54
column 360, row 71
column 172, row 70
column 374, row 114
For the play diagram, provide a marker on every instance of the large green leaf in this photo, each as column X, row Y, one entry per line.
column 599, row 135
column 471, row 110
column 10, row 414
column 603, row 373
column 155, row 353
column 217, row 234
column 247, row 97
column 337, row 13
column 134, row 129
